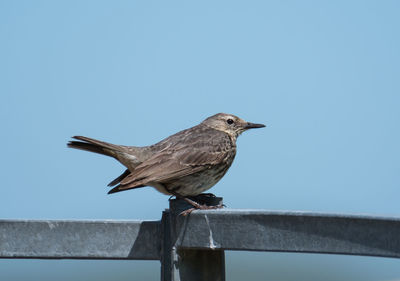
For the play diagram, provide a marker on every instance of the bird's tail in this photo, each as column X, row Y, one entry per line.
column 126, row 155
column 92, row 145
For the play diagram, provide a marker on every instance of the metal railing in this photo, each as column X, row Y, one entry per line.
column 192, row 247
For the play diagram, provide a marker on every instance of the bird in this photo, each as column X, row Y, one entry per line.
column 183, row 165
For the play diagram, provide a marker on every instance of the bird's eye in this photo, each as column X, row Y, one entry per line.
column 229, row 121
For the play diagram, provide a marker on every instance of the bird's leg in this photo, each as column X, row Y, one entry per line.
column 204, row 199
column 197, row 206
column 191, row 202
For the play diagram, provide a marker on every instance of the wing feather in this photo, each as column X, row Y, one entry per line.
column 181, row 160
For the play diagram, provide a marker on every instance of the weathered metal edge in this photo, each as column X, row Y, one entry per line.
column 280, row 231
column 73, row 239
column 251, row 230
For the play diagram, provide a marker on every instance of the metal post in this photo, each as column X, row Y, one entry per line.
column 182, row 264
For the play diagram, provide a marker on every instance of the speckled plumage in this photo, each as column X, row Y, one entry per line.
column 184, row 164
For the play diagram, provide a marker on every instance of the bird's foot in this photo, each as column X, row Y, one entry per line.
column 197, row 206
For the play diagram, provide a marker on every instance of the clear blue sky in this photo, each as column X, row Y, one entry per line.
column 323, row 75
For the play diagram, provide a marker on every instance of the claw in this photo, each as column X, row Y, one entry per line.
column 197, row 206
column 187, row 212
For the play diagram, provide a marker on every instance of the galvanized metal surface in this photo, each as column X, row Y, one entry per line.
column 255, row 230
column 252, row 230
column 80, row 239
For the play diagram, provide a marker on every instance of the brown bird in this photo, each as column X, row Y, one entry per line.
column 184, row 164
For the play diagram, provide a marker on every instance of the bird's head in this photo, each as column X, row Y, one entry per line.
column 230, row 124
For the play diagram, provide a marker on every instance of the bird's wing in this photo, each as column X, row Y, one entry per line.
column 166, row 167
column 175, row 163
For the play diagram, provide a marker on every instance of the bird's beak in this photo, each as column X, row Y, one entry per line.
column 253, row 125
